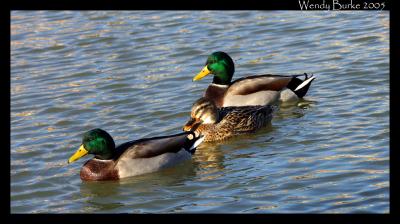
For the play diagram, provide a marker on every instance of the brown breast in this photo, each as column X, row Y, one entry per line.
column 95, row 169
column 216, row 93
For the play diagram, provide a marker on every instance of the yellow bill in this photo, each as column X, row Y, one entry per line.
column 203, row 73
column 78, row 154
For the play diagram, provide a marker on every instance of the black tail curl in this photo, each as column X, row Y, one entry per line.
column 296, row 82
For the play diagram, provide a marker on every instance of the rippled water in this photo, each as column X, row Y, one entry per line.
column 130, row 74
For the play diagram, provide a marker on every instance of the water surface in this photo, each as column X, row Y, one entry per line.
column 129, row 72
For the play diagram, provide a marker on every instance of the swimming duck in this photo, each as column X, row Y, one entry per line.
column 250, row 90
column 133, row 157
column 217, row 124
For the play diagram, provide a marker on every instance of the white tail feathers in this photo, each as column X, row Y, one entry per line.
column 304, row 83
column 197, row 142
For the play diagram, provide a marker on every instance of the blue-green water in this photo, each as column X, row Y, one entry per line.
column 129, row 72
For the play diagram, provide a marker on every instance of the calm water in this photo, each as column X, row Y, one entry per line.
column 130, row 74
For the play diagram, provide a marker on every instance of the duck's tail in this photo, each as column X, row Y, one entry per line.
column 300, row 87
column 192, row 142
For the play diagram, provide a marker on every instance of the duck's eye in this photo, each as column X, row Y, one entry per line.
column 210, row 61
column 89, row 139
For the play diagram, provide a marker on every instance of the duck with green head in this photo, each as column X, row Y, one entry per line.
column 134, row 157
column 250, row 90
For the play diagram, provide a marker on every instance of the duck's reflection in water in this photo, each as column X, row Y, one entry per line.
column 209, row 155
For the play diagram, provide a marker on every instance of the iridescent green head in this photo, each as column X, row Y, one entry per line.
column 97, row 142
column 221, row 65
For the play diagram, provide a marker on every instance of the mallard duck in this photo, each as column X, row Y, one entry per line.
column 133, row 157
column 217, row 124
column 250, row 90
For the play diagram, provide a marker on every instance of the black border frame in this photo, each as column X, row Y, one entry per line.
column 203, row 5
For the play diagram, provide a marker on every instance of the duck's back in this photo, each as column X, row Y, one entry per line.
column 236, row 121
column 255, row 90
column 152, row 154
column 246, row 118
